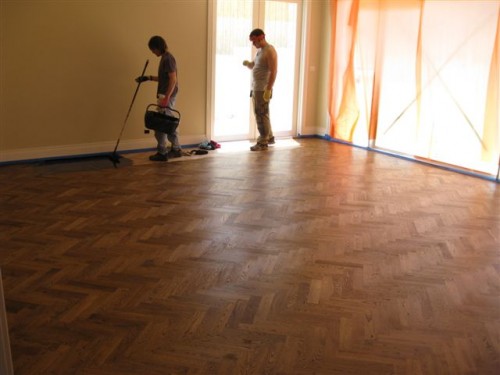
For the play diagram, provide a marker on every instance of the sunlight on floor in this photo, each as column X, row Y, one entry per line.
column 226, row 148
column 238, row 146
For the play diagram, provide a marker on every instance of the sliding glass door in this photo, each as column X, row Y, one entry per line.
column 231, row 109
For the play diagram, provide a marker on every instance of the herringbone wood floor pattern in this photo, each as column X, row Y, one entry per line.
column 313, row 258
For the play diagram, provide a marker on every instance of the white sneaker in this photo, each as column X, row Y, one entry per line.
column 259, row 147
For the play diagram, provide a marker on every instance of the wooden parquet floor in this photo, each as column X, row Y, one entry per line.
column 310, row 258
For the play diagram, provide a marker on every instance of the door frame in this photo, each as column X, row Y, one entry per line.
column 303, row 17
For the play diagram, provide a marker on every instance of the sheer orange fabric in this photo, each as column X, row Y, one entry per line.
column 492, row 112
column 418, row 78
column 346, row 116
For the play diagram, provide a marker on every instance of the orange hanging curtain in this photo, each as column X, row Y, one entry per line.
column 346, row 115
column 418, row 78
column 492, row 113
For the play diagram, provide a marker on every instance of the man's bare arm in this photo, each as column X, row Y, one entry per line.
column 272, row 62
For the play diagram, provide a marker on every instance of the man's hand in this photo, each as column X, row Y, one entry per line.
column 141, row 79
column 268, row 94
column 164, row 102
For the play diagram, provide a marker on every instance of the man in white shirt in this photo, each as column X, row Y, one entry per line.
column 264, row 69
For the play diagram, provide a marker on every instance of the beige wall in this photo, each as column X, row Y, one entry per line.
column 68, row 69
column 323, row 118
column 315, row 109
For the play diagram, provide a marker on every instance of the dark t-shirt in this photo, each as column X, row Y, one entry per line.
column 167, row 65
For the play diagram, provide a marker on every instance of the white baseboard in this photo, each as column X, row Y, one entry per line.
column 75, row 150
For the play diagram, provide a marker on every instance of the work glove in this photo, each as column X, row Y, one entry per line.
column 246, row 63
column 141, row 79
column 267, row 95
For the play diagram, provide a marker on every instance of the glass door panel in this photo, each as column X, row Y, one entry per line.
column 232, row 110
column 234, row 21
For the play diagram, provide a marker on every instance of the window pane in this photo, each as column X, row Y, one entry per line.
column 232, row 79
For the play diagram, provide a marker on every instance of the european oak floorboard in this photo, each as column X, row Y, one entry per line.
column 312, row 257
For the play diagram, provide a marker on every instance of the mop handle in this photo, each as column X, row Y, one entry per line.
column 136, row 90
column 130, row 108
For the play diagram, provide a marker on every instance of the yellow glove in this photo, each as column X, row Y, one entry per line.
column 268, row 95
column 246, row 63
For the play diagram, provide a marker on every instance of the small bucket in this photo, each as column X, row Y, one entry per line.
column 161, row 122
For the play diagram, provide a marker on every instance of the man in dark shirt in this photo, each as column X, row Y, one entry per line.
column 166, row 94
